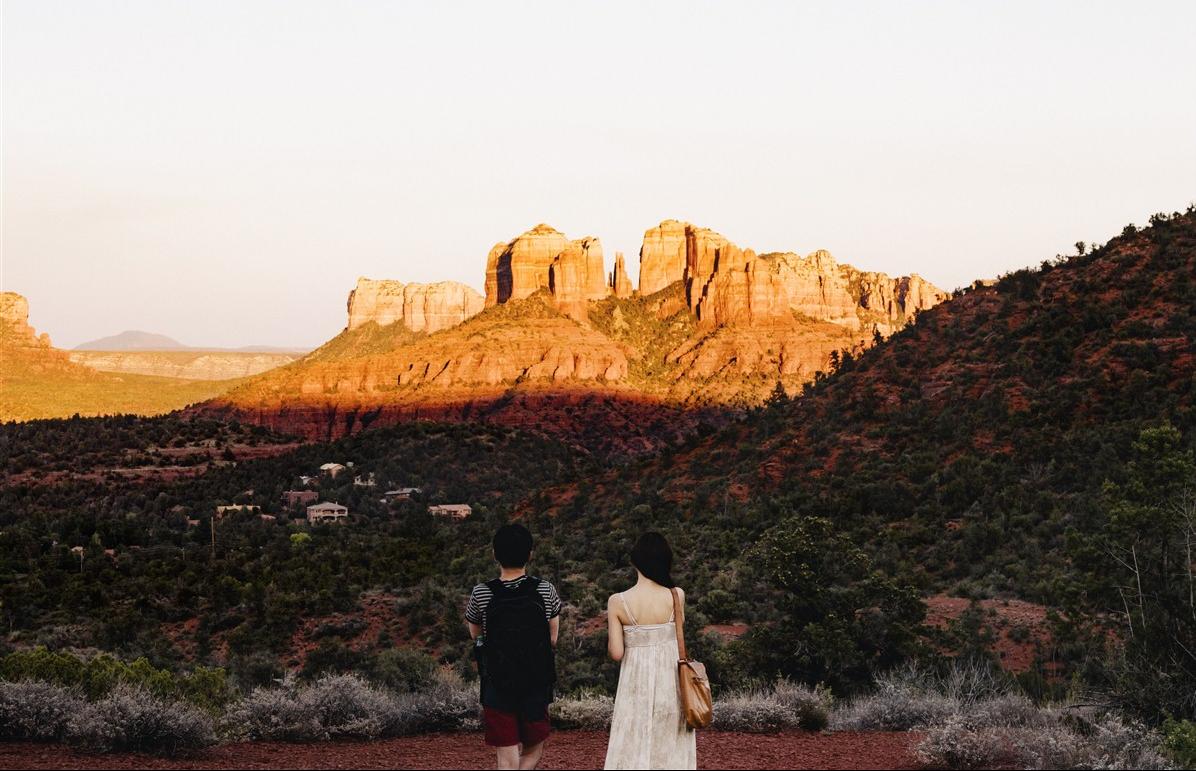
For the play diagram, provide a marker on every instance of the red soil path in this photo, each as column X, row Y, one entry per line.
column 566, row 749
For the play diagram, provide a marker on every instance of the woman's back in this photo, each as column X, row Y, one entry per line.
column 647, row 727
column 647, row 604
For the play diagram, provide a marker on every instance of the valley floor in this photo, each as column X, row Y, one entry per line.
column 567, row 749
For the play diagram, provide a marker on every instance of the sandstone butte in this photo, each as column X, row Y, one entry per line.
column 421, row 307
column 711, row 325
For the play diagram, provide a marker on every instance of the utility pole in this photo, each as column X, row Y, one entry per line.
column 213, row 522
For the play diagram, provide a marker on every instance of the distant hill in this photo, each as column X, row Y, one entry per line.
column 132, row 340
column 136, row 340
column 969, row 447
column 38, row 380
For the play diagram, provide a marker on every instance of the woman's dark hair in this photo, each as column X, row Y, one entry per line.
column 652, row 556
column 512, row 546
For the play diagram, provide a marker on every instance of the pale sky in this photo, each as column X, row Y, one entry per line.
column 222, row 172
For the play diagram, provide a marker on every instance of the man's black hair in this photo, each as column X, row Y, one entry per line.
column 512, row 546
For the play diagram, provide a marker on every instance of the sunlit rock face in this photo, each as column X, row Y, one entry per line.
column 421, row 307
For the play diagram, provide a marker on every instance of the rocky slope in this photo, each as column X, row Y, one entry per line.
column 186, row 365
column 38, row 380
column 971, row 443
column 714, row 326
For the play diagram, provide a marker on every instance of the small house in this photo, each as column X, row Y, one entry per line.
column 400, row 494
column 327, row 512
column 293, row 498
column 451, row 510
column 234, row 507
column 366, row 480
column 332, row 469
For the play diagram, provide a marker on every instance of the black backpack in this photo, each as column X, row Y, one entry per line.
column 517, row 656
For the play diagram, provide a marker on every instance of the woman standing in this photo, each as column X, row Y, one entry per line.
column 648, row 729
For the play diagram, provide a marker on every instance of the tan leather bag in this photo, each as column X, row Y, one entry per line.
column 696, row 702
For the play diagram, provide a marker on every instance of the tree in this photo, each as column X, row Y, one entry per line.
column 840, row 619
column 1150, row 543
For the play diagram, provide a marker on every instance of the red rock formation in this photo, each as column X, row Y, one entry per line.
column 519, row 268
column 662, row 256
column 620, row 283
column 14, row 323
column 421, row 307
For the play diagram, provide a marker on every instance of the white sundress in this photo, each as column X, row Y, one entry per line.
column 647, row 729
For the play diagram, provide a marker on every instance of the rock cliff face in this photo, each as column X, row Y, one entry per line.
column 620, row 282
column 543, row 258
column 662, row 256
column 14, row 323
column 421, row 307
column 728, row 285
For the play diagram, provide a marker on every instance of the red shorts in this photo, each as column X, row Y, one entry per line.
column 506, row 729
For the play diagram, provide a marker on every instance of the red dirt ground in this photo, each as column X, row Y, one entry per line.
column 566, row 749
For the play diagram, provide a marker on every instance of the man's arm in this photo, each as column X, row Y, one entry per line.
column 554, row 629
column 473, row 615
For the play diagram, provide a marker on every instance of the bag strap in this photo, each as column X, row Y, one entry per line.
column 680, row 624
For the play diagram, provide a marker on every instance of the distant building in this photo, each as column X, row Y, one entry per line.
column 327, row 512
column 400, row 494
column 366, row 480
column 293, row 498
column 192, row 522
column 309, row 481
column 332, row 469
column 267, row 517
column 234, row 507
column 451, row 510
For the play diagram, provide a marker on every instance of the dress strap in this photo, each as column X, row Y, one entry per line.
column 673, row 612
column 627, row 608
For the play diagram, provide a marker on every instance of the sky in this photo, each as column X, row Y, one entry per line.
column 222, row 172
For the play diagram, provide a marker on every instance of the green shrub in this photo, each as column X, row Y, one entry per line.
column 404, row 669
column 1179, row 741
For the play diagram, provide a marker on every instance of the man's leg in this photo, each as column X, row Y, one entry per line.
column 508, row 757
column 531, row 756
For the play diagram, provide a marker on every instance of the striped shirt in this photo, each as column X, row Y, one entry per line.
column 479, row 600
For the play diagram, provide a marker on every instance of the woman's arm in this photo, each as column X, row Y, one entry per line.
column 614, row 629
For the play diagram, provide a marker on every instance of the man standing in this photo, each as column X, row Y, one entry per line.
column 514, row 620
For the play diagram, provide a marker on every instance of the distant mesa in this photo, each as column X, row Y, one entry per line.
column 421, row 307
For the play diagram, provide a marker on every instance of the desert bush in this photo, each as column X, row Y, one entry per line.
column 335, row 706
column 36, row 711
column 897, row 704
column 784, row 705
column 585, row 710
column 1056, row 739
column 449, row 705
column 132, row 718
column 346, row 706
column 911, row 698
